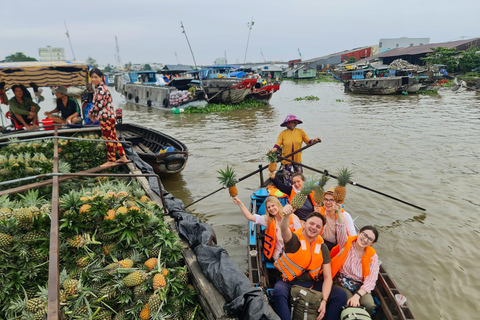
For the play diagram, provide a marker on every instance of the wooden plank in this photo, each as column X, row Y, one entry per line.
column 50, row 181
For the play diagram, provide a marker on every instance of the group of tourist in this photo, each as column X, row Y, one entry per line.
column 24, row 111
column 314, row 246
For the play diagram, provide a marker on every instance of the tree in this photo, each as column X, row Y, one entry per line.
column 446, row 56
column 352, row 60
column 92, row 62
column 469, row 60
column 18, row 56
column 108, row 68
column 146, row 67
column 128, row 66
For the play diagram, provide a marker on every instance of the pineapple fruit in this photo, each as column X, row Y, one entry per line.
column 272, row 158
column 159, row 281
column 155, row 302
column 343, row 178
column 299, row 199
column 70, row 286
column 228, row 179
column 319, row 194
column 5, row 240
column 151, row 263
column 135, row 278
column 145, row 313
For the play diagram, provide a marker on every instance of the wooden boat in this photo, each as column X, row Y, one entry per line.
column 227, row 90
column 383, row 86
column 148, row 143
column 264, row 274
column 263, row 94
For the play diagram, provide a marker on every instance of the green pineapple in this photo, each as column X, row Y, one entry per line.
column 78, row 241
column 24, row 217
column 40, row 315
column 319, row 194
column 35, row 254
column 103, row 315
column 70, row 286
column 35, row 304
column 183, row 276
column 34, row 236
column 83, row 261
column 155, row 302
column 228, row 179
column 5, row 213
column 46, row 208
column 122, row 315
column 189, row 314
column 109, row 292
column 134, row 278
column 299, row 199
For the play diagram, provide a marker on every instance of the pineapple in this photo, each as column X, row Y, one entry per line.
column 155, row 302
column 108, row 248
column 135, row 278
column 126, row 263
column 145, row 313
column 78, row 241
column 109, row 196
column 144, row 199
column 24, row 217
column 109, row 292
column 159, row 281
column 121, row 194
column 5, row 213
column 228, row 179
column 299, row 199
column 122, row 210
column 34, row 305
column 135, row 208
column 151, row 263
column 103, row 315
column 85, row 208
column 83, row 261
column 110, row 215
column 164, row 272
column 272, row 158
column 154, row 252
column 40, row 315
column 84, row 199
column 340, row 191
column 183, row 276
column 37, row 255
column 122, row 315
column 5, row 240
column 70, row 286
column 319, row 193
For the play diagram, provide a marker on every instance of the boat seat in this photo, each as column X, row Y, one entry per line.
column 143, row 148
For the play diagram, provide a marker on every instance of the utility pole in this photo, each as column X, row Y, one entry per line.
column 261, row 52
column 188, row 44
column 176, row 57
column 68, row 36
column 119, row 61
column 249, row 25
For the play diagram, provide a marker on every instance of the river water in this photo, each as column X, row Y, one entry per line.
column 423, row 149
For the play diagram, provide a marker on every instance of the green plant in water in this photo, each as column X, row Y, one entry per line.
column 214, row 107
column 308, row 98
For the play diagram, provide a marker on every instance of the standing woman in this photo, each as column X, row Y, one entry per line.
column 103, row 111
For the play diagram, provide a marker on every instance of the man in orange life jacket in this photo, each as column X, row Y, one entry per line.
column 305, row 259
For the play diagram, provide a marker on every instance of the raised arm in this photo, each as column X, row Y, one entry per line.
column 244, row 210
column 284, row 224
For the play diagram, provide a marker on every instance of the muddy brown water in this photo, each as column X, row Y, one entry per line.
column 423, row 149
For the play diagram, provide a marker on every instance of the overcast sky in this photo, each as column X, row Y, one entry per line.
column 149, row 30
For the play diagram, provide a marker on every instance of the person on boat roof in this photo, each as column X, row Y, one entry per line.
column 68, row 108
column 273, row 242
column 23, row 109
column 329, row 233
column 355, row 264
column 304, row 261
column 290, row 140
column 298, row 180
column 103, row 111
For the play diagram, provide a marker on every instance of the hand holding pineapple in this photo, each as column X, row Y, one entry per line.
column 271, row 175
column 288, row 210
column 343, row 179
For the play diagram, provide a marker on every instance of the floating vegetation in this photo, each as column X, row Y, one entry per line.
column 430, row 92
column 339, row 100
column 214, row 107
column 308, row 98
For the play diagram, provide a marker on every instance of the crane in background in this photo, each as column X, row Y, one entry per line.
column 117, row 56
column 68, row 36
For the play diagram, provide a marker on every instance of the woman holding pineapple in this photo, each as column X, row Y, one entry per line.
column 273, row 244
column 290, row 140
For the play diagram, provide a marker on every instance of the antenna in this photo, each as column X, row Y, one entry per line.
column 119, row 61
column 68, row 36
column 176, row 57
column 262, row 55
column 249, row 26
column 189, row 45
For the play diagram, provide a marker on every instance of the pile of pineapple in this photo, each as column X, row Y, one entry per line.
column 119, row 259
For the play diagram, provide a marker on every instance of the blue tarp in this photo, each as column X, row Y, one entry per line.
column 238, row 74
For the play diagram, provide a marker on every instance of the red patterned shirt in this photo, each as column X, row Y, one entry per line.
column 102, row 103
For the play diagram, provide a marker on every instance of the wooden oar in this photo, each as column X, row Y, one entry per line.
column 352, row 183
column 254, row 172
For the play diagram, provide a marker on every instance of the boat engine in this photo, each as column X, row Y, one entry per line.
column 119, row 115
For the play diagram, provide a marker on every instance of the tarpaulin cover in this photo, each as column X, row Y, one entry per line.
column 243, row 301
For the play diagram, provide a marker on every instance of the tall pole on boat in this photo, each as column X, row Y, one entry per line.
column 178, row 62
column 249, row 25
column 188, row 44
column 68, row 36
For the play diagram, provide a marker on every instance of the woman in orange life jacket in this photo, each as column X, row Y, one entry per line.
column 298, row 180
column 355, row 264
column 273, row 245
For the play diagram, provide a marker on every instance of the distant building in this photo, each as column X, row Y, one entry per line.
column 331, row 60
column 51, row 54
column 386, row 44
column 221, row 61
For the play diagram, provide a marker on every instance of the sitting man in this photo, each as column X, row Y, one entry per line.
column 304, row 260
column 23, row 109
column 68, row 108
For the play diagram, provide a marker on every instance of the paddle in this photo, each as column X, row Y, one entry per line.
column 255, row 172
column 352, row 183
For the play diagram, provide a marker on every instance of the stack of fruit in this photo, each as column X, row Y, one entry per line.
column 118, row 256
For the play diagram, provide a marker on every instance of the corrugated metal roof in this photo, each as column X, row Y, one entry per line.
column 336, row 54
column 177, row 67
column 426, row 48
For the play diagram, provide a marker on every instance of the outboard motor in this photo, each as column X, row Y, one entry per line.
column 119, row 115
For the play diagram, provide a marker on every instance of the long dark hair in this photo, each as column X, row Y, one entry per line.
column 98, row 72
column 371, row 228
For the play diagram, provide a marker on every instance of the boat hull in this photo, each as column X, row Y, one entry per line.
column 263, row 94
column 227, row 90
column 383, row 86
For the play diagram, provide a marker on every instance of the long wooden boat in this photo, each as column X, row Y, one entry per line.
column 383, row 86
column 264, row 274
column 227, row 90
column 164, row 153
column 263, row 94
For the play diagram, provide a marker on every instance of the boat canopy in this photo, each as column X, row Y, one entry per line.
column 44, row 73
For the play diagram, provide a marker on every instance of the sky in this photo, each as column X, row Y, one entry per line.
column 149, row 30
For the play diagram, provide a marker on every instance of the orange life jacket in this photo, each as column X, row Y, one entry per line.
column 272, row 191
column 307, row 258
column 293, row 193
column 271, row 236
column 339, row 256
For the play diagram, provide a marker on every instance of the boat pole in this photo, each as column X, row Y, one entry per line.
column 353, row 183
column 54, row 264
column 259, row 170
column 249, row 25
column 185, row 33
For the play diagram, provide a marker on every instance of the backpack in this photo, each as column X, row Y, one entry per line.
column 354, row 313
column 304, row 303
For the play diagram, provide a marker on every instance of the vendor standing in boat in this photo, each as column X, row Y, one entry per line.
column 355, row 264
column 306, row 262
column 273, row 245
column 103, row 111
column 290, row 140
column 68, row 108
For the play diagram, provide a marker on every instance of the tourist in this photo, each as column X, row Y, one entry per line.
column 298, row 180
column 355, row 265
column 104, row 112
column 68, row 108
column 329, row 233
column 23, row 109
column 273, row 244
column 291, row 140
column 311, row 260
